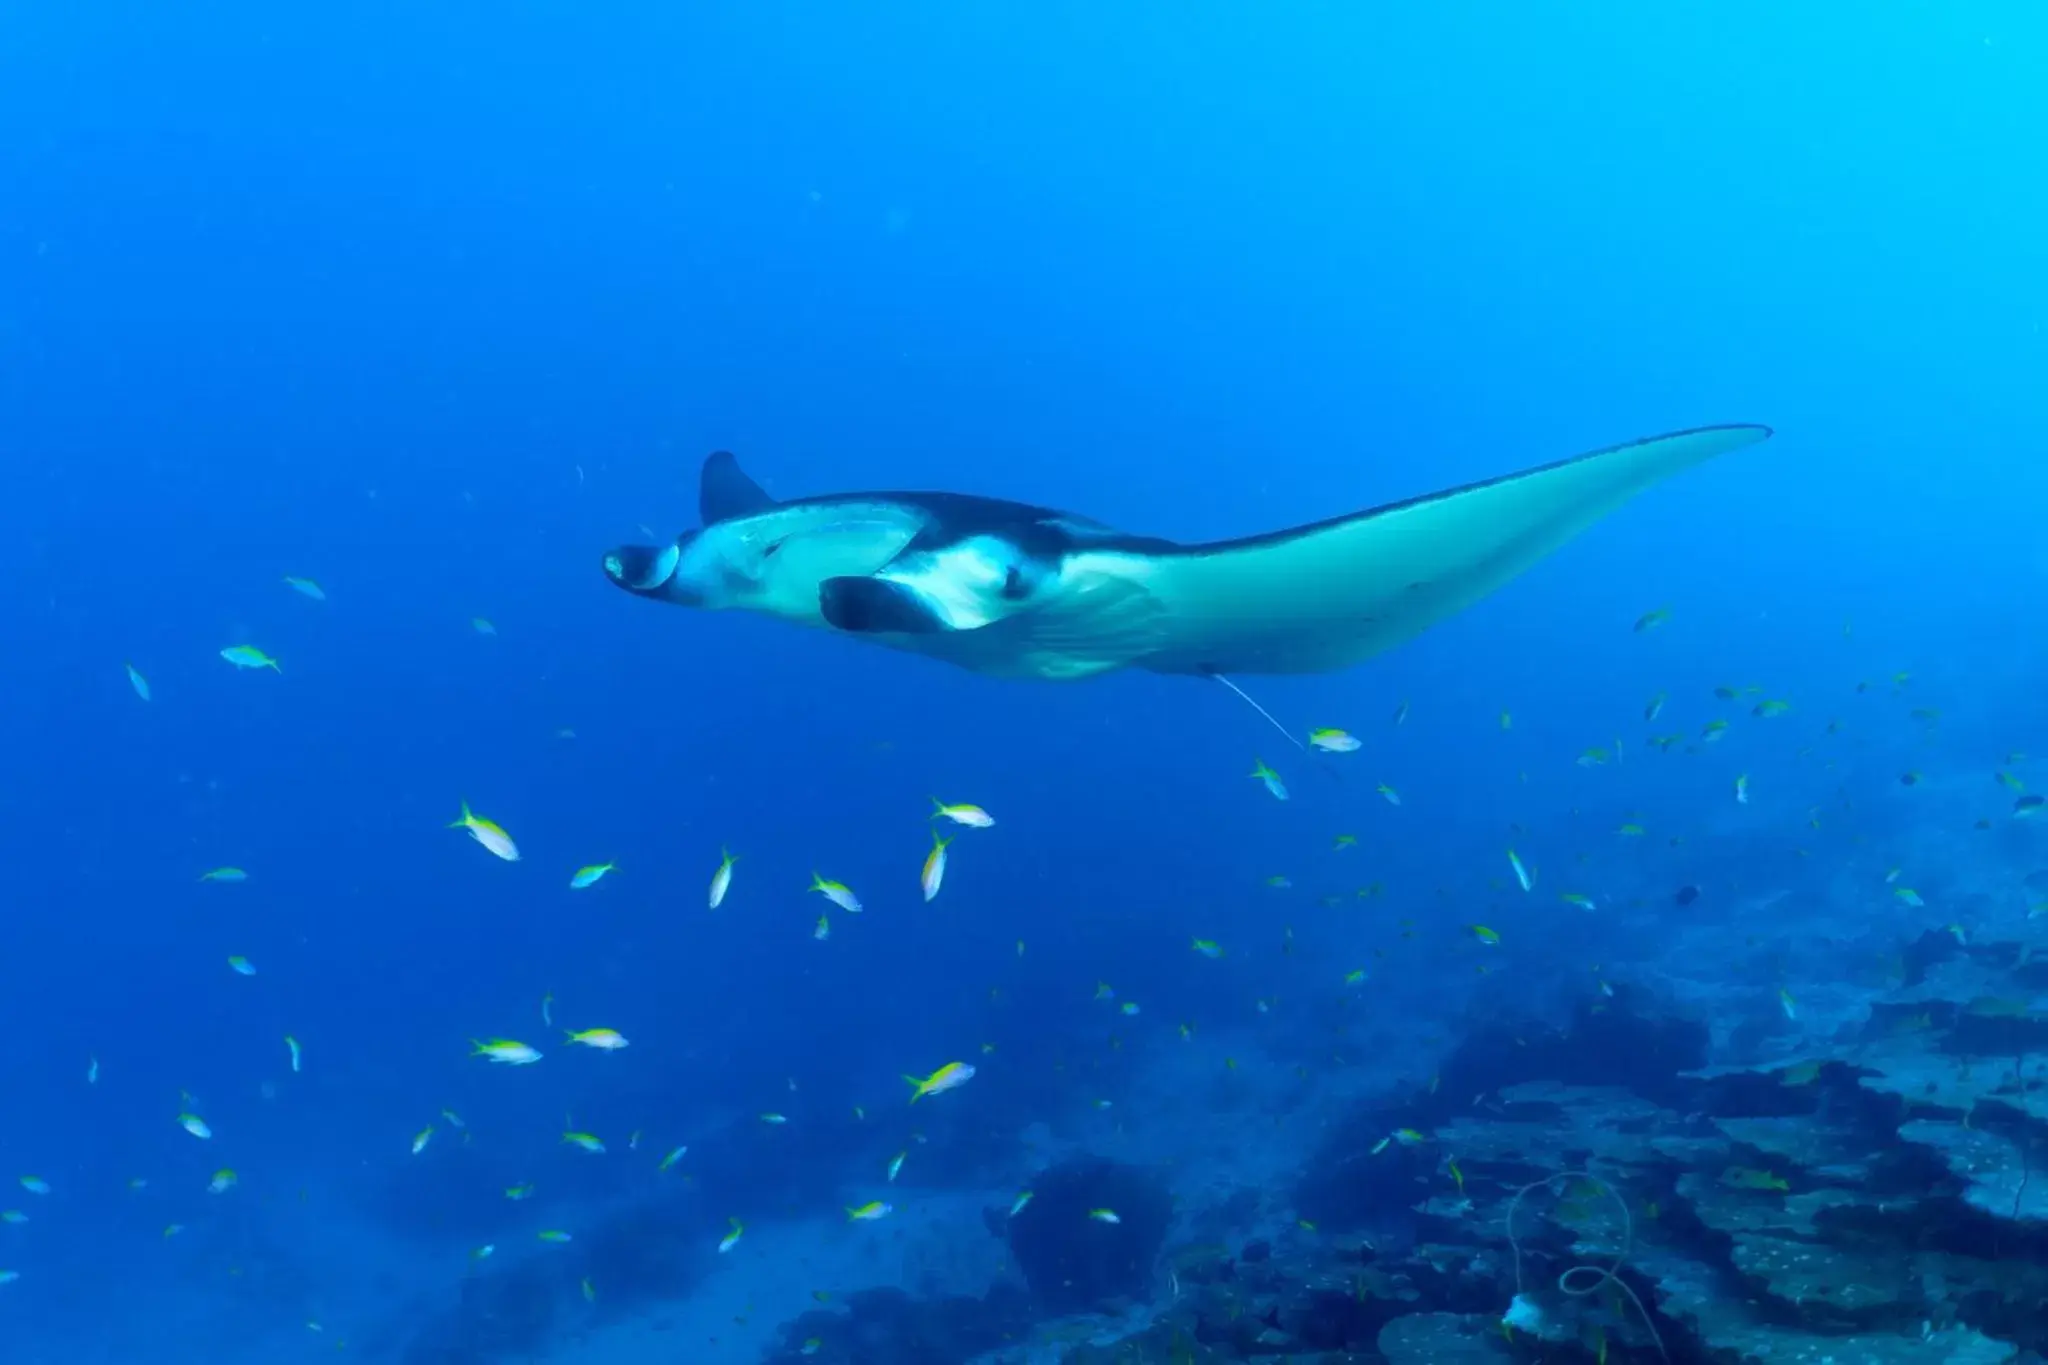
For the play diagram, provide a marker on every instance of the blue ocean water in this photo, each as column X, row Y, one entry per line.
column 433, row 305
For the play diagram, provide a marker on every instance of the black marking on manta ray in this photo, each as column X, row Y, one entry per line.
column 1034, row 527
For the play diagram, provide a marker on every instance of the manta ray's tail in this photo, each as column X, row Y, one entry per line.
column 1321, row 761
column 1246, row 698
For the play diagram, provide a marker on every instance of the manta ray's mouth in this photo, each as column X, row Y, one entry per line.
column 642, row 568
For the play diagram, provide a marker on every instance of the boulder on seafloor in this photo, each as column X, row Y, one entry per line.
column 1091, row 1233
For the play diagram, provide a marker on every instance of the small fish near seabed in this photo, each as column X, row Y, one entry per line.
column 1334, row 741
column 721, row 880
column 836, row 892
column 505, row 1052
column 602, row 1039
column 488, row 833
column 587, row 877
column 1272, row 780
column 951, row 1076
column 962, row 813
column 248, row 656
column 934, row 874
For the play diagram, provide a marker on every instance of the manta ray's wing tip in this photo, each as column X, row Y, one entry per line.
column 1647, row 459
column 1737, row 434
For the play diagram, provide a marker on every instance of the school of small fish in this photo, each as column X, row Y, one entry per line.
column 948, row 821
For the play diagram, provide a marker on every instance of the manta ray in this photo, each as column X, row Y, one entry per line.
column 1013, row 590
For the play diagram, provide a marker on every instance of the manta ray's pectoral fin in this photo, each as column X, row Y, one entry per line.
column 876, row 606
column 724, row 491
column 1328, row 595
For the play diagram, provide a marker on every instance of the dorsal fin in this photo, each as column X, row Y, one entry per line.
column 724, row 491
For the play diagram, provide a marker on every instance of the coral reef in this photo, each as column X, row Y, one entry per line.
column 1870, row 1187
column 1661, row 1177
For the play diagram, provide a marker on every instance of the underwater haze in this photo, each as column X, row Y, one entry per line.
column 1638, row 964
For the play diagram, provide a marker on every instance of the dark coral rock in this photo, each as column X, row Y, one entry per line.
column 1201, row 1264
column 1075, row 1262
column 1312, row 1304
column 1164, row 1342
column 643, row 1254
column 509, row 1314
column 1349, row 1186
column 1333, row 1319
column 1603, row 1045
column 889, row 1327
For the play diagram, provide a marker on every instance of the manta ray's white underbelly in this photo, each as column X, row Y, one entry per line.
column 1092, row 614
